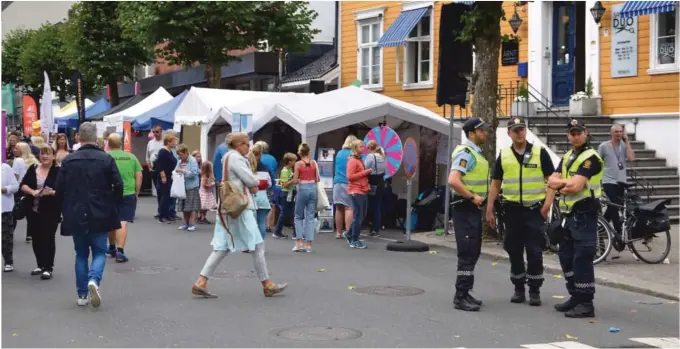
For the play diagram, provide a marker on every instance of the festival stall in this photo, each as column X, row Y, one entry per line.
column 154, row 100
column 120, row 107
column 71, row 121
column 70, row 108
column 162, row 114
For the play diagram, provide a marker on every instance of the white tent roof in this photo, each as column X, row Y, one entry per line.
column 263, row 109
column 157, row 98
column 351, row 105
column 202, row 105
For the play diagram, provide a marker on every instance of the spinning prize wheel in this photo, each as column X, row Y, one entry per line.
column 390, row 143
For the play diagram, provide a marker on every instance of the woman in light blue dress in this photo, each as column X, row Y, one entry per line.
column 242, row 233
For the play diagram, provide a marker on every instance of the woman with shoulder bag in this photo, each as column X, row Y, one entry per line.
column 305, row 175
column 44, row 210
column 240, row 233
column 375, row 161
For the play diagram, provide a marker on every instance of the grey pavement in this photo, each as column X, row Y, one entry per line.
column 620, row 269
column 147, row 301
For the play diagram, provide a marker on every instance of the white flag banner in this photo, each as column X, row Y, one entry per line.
column 46, row 106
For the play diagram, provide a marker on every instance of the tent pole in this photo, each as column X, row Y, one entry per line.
column 447, row 199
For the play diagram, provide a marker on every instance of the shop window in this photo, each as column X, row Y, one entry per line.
column 664, row 43
column 370, row 57
column 418, row 61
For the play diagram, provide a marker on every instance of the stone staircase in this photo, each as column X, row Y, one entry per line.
column 550, row 127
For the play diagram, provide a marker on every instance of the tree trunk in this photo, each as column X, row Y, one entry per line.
column 113, row 90
column 485, row 101
column 213, row 73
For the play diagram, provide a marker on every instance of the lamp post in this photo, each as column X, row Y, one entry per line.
column 597, row 11
column 515, row 22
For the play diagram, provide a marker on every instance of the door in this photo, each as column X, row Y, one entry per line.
column 564, row 44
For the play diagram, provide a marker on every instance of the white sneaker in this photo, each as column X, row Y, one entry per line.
column 297, row 248
column 93, row 294
column 9, row 267
column 82, row 301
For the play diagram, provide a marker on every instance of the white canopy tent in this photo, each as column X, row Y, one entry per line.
column 157, row 98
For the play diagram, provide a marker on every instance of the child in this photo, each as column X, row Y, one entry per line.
column 207, row 192
column 286, row 202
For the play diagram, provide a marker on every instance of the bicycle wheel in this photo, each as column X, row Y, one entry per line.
column 651, row 243
column 605, row 235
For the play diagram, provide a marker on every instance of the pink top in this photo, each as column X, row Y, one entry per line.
column 307, row 173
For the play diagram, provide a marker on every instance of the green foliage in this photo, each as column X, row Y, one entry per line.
column 94, row 43
column 483, row 20
column 523, row 91
column 12, row 46
column 206, row 31
column 589, row 88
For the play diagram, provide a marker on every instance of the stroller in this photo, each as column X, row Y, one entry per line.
column 427, row 213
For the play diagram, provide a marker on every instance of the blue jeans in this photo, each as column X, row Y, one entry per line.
column 375, row 203
column 359, row 207
column 83, row 243
column 286, row 211
column 165, row 199
column 305, row 208
column 262, row 222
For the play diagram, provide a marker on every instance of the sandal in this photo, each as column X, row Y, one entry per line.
column 201, row 292
column 270, row 289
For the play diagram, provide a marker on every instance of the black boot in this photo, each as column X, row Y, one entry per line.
column 519, row 296
column 534, row 298
column 473, row 300
column 461, row 302
column 583, row 309
column 566, row 306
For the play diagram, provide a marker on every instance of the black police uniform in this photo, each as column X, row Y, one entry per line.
column 525, row 229
column 579, row 245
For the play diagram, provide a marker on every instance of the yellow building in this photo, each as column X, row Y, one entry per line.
column 408, row 71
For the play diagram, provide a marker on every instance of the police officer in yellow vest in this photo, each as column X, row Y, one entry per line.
column 578, row 178
column 523, row 169
column 469, row 178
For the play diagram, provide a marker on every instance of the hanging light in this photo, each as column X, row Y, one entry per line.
column 515, row 22
column 597, row 11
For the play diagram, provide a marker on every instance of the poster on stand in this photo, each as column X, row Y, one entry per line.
column 127, row 136
column 235, row 122
column 326, row 168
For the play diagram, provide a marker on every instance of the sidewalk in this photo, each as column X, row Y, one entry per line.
column 660, row 280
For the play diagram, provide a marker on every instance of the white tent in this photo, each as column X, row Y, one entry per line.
column 157, row 98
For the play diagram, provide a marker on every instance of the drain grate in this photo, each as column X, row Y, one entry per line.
column 390, row 291
column 235, row 274
column 147, row 270
column 319, row 333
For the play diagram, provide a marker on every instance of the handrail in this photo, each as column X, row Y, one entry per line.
column 642, row 182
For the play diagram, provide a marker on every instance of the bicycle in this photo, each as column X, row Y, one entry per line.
column 619, row 241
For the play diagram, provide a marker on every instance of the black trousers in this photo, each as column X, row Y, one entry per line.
column 467, row 223
column 615, row 194
column 8, row 237
column 43, row 230
column 576, row 254
column 525, row 230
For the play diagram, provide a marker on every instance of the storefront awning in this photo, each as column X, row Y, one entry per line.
column 397, row 33
column 640, row 8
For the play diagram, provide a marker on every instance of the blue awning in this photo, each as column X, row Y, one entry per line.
column 397, row 33
column 639, row 8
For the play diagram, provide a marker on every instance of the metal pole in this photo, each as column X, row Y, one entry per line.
column 447, row 199
column 408, row 209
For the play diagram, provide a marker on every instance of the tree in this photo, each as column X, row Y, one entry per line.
column 12, row 46
column 206, row 32
column 94, row 44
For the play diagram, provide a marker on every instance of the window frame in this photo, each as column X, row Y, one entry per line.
column 427, row 84
column 369, row 18
column 658, row 69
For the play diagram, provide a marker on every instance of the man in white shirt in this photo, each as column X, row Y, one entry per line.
column 9, row 187
column 77, row 145
column 152, row 149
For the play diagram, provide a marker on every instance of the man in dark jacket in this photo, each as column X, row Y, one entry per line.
column 91, row 189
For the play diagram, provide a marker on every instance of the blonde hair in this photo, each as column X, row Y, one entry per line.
column 348, row 142
column 26, row 154
column 182, row 148
column 254, row 152
column 38, row 141
column 235, row 137
column 373, row 147
column 303, row 149
column 55, row 145
column 207, row 169
column 288, row 158
column 115, row 142
column 167, row 139
column 263, row 145
column 355, row 146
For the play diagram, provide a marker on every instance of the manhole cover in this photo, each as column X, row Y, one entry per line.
column 235, row 274
column 147, row 270
column 390, row 291
column 319, row 333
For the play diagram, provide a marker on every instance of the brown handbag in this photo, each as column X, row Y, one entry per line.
column 232, row 201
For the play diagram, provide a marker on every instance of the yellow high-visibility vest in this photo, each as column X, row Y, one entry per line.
column 592, row 189
column 523, row 183
column 476, row 180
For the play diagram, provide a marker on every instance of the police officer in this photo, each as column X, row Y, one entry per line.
column 469, row 178
column 523, row 169
column 578, row 178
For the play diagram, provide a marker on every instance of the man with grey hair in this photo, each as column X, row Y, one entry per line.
column 90, row 188
column 615, row 153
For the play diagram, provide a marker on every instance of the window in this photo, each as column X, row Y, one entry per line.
column 663, row 43
column 418, row 54
column 369, row 55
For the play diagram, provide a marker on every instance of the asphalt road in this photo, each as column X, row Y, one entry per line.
column 153, row 306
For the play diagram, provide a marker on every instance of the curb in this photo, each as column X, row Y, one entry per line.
column 599, row 280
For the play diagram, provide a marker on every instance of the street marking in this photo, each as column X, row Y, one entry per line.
column 659, row 342
column 539, row 346
column 560, row 345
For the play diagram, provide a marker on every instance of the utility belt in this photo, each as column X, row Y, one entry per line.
column 462, row 204
column 588, row 205
column 513, row 205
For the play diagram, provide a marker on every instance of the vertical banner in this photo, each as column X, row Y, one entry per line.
column 624, row 44
column 80, row 96
column 46, row 106
column 30, row 114
column 4, row 135
column 127, row 136
column 138, row 88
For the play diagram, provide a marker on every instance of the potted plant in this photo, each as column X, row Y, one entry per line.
column 583, row 103
column 521, row 105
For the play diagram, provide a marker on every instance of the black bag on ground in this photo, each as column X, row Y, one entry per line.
column 650, row 219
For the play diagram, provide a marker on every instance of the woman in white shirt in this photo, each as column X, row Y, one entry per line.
column 9, row 187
